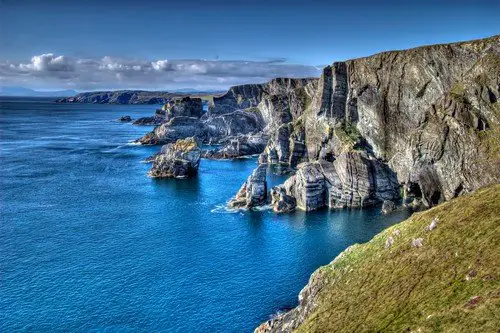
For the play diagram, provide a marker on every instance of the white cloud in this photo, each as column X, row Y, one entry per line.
column 59, row 71
column 48, row 62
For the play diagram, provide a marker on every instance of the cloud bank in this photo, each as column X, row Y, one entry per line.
column 51, row 71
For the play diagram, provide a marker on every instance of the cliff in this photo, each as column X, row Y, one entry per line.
column 418, row 126
column 435, row 272
column 422, row 124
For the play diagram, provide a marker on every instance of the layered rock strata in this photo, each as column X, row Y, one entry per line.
column 419, row 125
column 253, row 192
column 237, row 146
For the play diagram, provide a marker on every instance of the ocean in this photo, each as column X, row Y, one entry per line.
column 89, row 243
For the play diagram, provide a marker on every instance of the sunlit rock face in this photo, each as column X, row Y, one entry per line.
column 177, row 160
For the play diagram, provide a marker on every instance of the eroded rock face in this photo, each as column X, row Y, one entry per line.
column 183, row 107
column 175, row 129
column 282, row 202
column 422, row 111
column 150, row 121
column 425, row 118
column 241, row 145
column 177, row 160
column 351, row 180
column 253, row 192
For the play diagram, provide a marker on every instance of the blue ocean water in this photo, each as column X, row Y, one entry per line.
column 89, row 243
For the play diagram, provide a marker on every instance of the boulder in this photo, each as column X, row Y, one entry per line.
column 388, row 207
column 125, row 119
column 177, row 160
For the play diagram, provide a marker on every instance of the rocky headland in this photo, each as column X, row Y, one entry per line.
column 435, row 272
column 416, row 127
column 128, row 97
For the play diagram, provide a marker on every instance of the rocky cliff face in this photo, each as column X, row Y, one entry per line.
column 243, row 110
column 424, row 119
column 420, row 125
column 253, row 192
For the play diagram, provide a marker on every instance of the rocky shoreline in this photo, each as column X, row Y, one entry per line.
column 416, row 127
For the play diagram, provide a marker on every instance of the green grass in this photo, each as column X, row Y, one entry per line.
column 406, row 289
column 348, row 136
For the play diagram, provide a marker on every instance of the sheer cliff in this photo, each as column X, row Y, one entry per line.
column 425, row 119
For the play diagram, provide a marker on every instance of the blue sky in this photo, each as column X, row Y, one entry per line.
column 89, row 45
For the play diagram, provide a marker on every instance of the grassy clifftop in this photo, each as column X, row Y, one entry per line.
column 412, row 277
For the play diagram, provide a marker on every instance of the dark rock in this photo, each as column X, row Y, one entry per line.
column 126, row 97
column 125, row 119
column 183, row 107
column 149, row 121
column 388, row 207
column 473, row 302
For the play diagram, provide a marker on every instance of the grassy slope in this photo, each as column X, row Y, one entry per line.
column 426, row 289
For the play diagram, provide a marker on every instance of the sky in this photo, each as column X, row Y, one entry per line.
column 205, row 45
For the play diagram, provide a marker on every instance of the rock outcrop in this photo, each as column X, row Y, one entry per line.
column 351, row 180
column 125, row 119
column 177, row 160
column 253, row 192
column 238, row 146
column 388, row 207
column 183, row 107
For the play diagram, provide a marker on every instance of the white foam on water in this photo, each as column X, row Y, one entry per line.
column 224, row 209
column 262, row 208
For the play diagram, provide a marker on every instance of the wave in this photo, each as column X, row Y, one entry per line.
column 262, row 208
column 224, row 209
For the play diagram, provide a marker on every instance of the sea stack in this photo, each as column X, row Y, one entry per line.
column 177, row 160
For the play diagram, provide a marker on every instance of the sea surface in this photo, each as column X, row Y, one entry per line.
column 89, row 243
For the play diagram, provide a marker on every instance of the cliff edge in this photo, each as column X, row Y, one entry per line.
column 438, row 271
